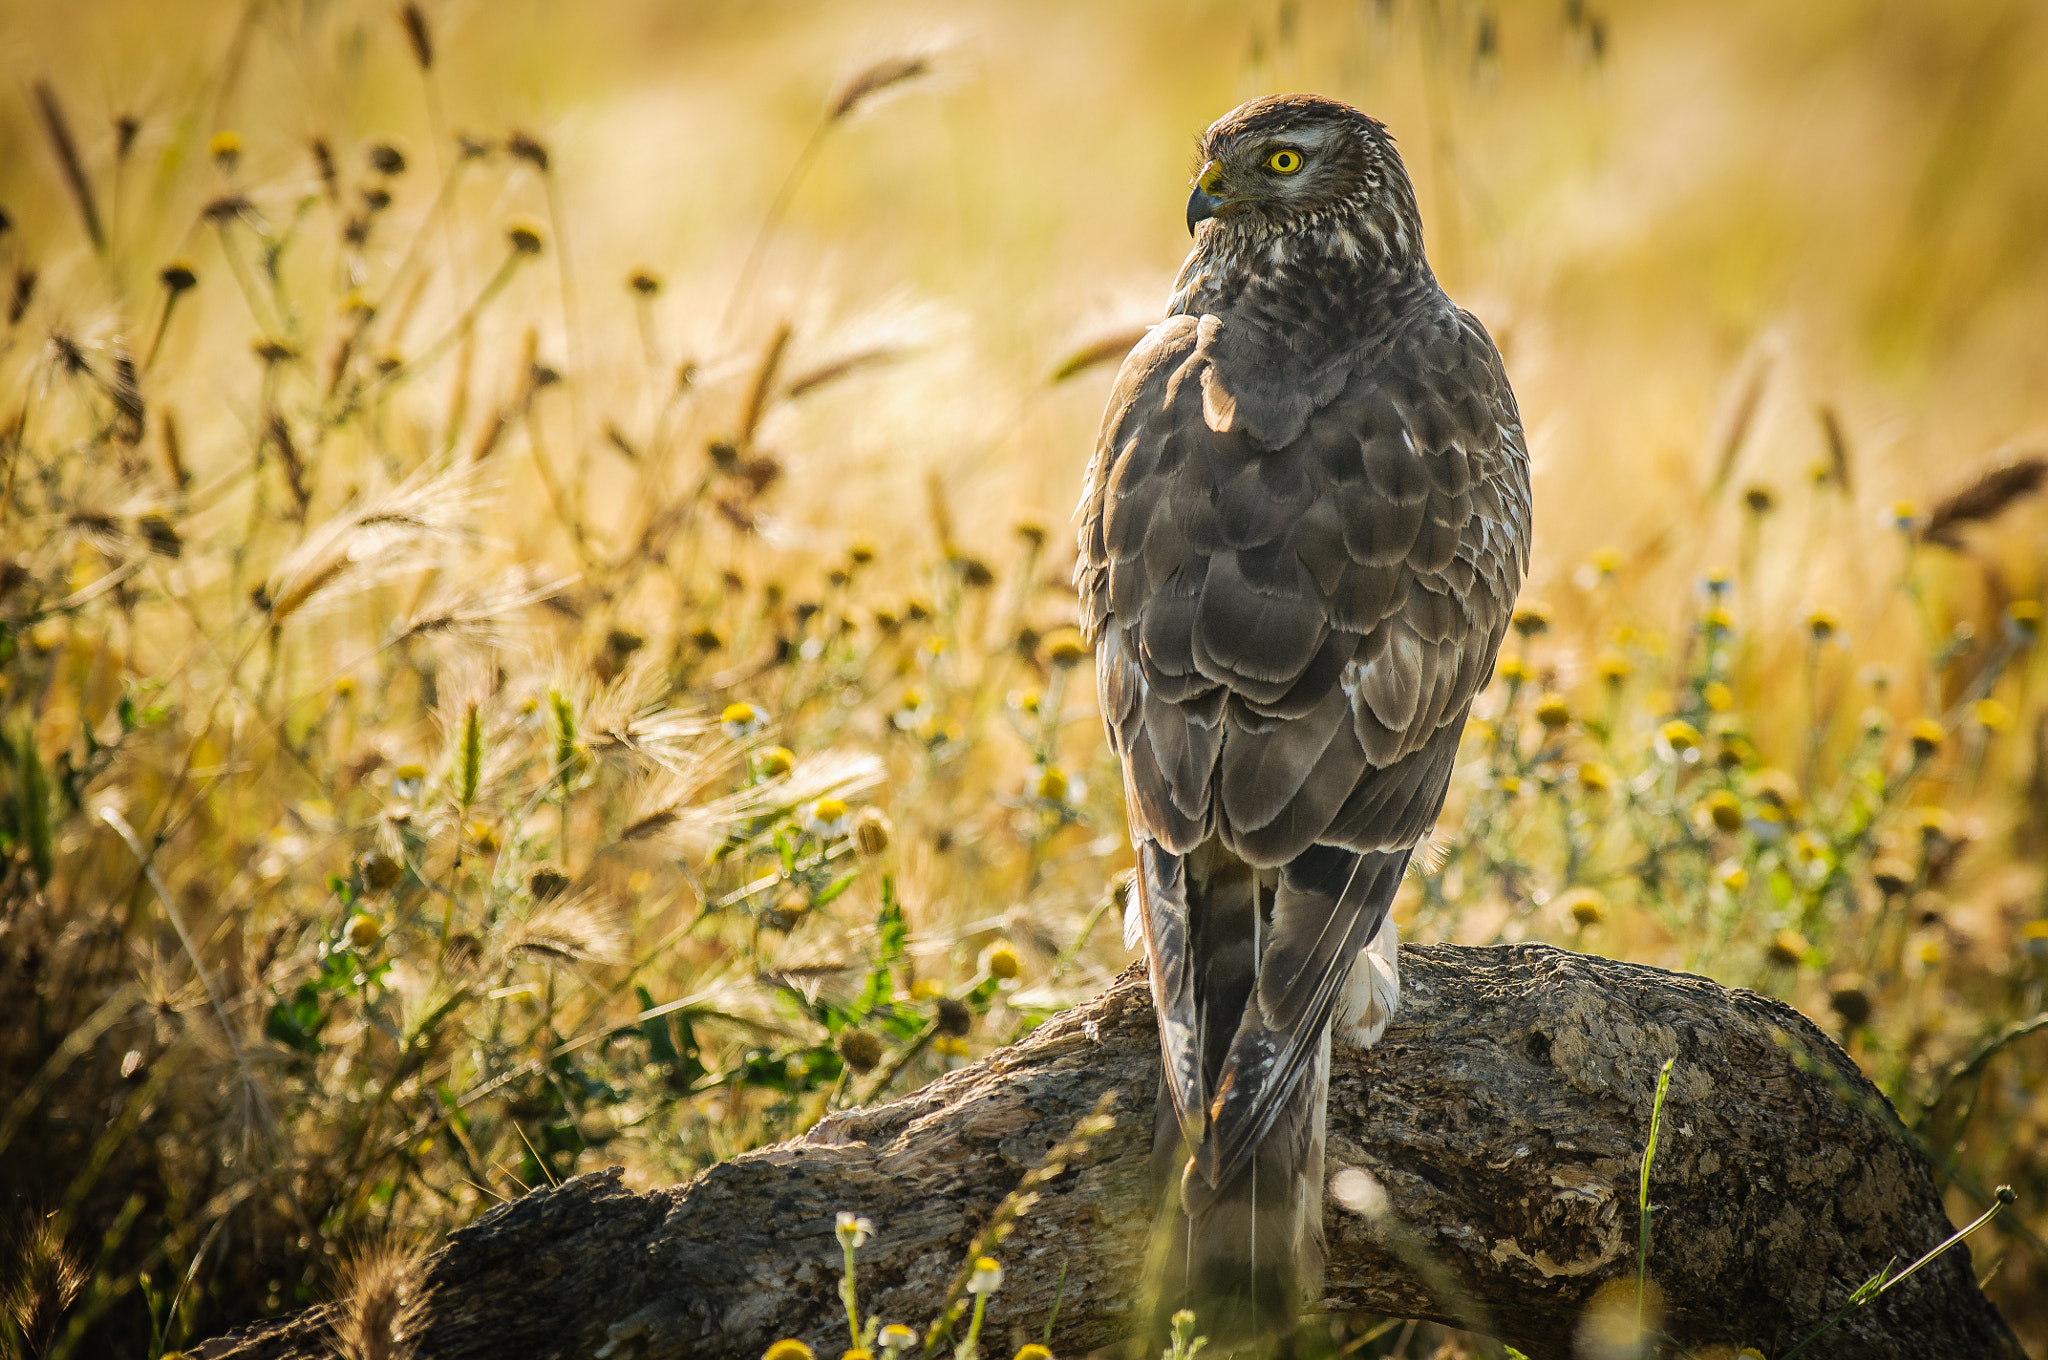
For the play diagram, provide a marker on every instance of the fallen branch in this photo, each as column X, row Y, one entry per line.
column 1504, row 1119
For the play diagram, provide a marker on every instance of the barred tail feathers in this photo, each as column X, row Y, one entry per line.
column 1267, row 963
column 1247, row 1255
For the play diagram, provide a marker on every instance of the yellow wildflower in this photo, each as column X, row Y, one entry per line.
column 1788, row 947
column 1721, row 808
column 1586, row 906
column 1991, row 715
column 1679, row 735
column 1064, row 648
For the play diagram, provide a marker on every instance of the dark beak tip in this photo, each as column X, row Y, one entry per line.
column 1201, row 207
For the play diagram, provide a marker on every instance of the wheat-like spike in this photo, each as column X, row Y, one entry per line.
column 44, row 1282
column 1739, row 411
column 663, row 738
column 369, row 542
column 417, row 35
column 375, row 1284
column 1837, row 440
column 477, row 611
column 758, row 391
column 629, row 719
column 830, row 774
column 75, row 179
column 835, row 369
column 472, row 754
column 661, row 803
column 871, row 81
column 1103, row 350
column 569, row 928
column 1984, row 497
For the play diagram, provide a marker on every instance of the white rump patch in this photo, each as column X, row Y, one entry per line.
column 1374, row 992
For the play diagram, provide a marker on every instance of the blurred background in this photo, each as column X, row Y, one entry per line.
column 536, row 539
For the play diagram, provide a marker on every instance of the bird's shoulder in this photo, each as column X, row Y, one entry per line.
column 1193, row 439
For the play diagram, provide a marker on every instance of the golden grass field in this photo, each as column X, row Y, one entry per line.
column 534, row 547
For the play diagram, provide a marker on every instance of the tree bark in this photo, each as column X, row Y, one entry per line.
column 1502, row 1120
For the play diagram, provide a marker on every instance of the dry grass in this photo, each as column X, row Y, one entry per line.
column 534, row 578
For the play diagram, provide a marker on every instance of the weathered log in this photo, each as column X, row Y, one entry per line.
column 1504, row 1118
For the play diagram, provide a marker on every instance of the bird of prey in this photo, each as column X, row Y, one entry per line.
column 1304, row 527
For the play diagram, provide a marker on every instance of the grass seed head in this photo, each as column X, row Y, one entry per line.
column 860, row 1049
column 872, row 832
column 379, row 872
column 1850, row 1000
column 524, row 146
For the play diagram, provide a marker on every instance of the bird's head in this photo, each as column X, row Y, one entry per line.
column 1288, row 164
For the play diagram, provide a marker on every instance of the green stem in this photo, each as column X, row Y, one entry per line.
column 1643, row 1190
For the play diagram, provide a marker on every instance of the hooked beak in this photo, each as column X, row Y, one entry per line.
column 1203, row 202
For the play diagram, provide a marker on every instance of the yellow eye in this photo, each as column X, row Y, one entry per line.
column 1284, row 162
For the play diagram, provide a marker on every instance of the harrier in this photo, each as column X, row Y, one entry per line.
column 1304, row 527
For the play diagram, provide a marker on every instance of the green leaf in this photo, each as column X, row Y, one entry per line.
column 835, row 887
column 296, row 1021
column 32, row 805
column 661, row 1047
column 893, row 935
